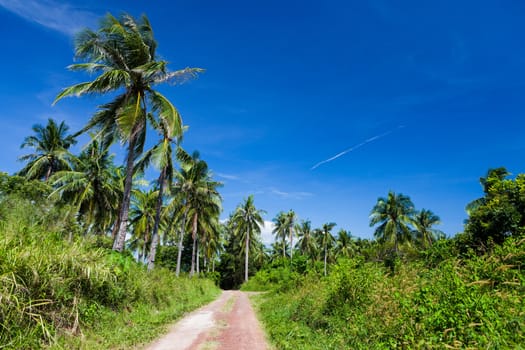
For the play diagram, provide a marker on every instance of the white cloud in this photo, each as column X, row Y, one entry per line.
column 221, row 175
column 266, row 233
column 51, row 14
column 294, row 195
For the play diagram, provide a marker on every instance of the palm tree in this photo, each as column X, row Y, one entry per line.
column 306, row 242
column 161, row 155
column 281, row 229
column 247, row 222
column 50, row 144
column 326, row 239
column 345, row 244
column 93, row 187
column 200, row 196
column 394, row 215
column 276, row 250
column 142, row 217
column 211, row 242
column 123, row 51
column 423, row 222
column 290, row 223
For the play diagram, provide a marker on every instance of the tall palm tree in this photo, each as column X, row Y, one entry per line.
column 93, row 187
column 199, row 192
column 123, row 51
column 50, row 144
column 277, row 249
column 306, row 242
column 290, row 223
column 281, row 229
column 394, row 215
column 177, row 212
column 327, row 240
column 423, row 222
column 211, row 242
column 248, row 222
column 142, row 217
column 345, row 244
column 161, row 155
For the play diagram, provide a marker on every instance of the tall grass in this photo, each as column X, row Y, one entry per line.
column 474, row 303
column 53, row 291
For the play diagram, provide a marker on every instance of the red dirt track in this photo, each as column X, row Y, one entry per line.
column 228, row 323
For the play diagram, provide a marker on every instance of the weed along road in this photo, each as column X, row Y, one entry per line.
column 228, row 323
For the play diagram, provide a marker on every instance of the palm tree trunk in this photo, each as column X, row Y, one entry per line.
column 291, row 245
column 118, row 245
column 194, row 236
column 325, row 260
column 198, row 259
column 395, row 246
column 115, row 228
column 246, row 256
column 155, row 238
column 48, row 173
column 181, row 238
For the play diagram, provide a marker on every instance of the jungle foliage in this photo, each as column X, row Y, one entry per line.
column 53, row 290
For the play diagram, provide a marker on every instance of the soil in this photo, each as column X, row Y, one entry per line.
column 228, row 323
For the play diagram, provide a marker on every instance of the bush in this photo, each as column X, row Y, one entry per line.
column 52, row 289
column 441, row 301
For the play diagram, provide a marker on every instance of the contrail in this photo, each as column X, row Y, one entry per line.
column 353, row 148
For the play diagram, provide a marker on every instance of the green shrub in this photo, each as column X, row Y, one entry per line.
column 52, row 290
column 439, row 302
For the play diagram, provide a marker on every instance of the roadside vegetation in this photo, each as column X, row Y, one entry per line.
column 410, row 288
column 79, row 293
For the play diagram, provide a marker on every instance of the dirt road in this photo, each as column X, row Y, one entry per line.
column 228, row 323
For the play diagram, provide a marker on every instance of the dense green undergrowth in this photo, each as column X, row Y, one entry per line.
column 474, row 302
column 61, row 294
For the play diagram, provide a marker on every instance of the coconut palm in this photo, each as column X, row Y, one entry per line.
column 394, row 215
column 142, row 217
column 247, row 222
column 123, row 52
column 199, row 194
column 161, row 155
column 290, row 224
column 423, row 222
column 345, row 245
column 276, row 250
column 280, row 230
column 326, row 240
column 306, row 241
column 94, row 187
column 212, row 242
column 204, row 210
column 50, row 144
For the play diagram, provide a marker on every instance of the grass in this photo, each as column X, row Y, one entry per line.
column 77, row 295
column 474, row 303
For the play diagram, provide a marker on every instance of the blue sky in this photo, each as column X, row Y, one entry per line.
column 424, row 96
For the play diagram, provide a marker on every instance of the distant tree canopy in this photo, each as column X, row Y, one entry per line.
column 500, row 213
